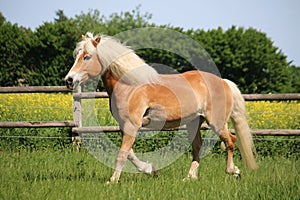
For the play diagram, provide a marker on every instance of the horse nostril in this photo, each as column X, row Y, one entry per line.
column 69, row 82
column 70, row 79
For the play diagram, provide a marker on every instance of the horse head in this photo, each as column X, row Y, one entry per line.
column 87, row 64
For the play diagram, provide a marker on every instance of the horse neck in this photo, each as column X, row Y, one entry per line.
column 109, row 81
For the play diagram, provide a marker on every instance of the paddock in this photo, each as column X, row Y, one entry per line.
column 60, row 174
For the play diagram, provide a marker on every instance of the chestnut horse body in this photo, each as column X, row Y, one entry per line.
column 140, row 97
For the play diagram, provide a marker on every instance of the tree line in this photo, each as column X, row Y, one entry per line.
column 43, row 56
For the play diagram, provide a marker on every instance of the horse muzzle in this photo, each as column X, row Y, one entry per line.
column 73, row 81
column 69, row 82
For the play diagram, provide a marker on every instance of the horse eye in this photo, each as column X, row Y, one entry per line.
column 87, row 57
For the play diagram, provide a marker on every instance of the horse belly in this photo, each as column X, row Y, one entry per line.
column 159, row 119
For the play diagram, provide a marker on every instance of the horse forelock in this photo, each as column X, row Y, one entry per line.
column 84, row 46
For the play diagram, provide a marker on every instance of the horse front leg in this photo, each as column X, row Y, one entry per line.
column 142, row 166
column 127, row 142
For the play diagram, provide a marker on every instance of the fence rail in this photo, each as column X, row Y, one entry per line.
column 271, row 97
column 76, row 123
column 35, row 89
column 37, row 124
column 87, row 95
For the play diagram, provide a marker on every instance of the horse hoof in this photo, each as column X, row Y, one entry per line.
column 154, row 172
column 190, row 178
column 111, row 182
column 237, row 176
column 149, row 169
column 186, row 179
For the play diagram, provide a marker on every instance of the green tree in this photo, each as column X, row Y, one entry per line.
column 295, row 79
column 15, row 43
column 93, row 22
column 2, row 19
column 54, row 50
column 247, row 57
column 124, row 21
column 43, row 57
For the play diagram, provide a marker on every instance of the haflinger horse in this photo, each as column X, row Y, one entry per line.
column 140, row 97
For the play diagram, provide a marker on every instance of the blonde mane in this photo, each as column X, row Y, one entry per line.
column 123, row 62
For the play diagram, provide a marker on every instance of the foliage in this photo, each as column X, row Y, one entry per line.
column 124, row 21
column 248, row 57
column 44, row 56
column 68, row 174
column 295, row 79
column 36, row 107
column 54, row 51
column 46, row 107
column 274, row 114
column 15, row 45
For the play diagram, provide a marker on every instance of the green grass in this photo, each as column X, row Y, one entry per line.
column 67, row 174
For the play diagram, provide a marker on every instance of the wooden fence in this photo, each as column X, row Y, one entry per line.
column 76, row 124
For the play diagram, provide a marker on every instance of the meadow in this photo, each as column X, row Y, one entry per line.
column 42, row 164
column 68, row 174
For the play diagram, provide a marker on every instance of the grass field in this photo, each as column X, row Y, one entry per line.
column 68, row 174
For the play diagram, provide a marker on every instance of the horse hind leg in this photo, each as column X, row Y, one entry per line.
column 229, row 140
column 195, row 137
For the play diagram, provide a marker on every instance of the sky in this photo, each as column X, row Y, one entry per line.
column 279, row 19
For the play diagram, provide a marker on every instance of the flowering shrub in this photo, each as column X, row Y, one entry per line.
column 59, row 107
column 35, row 107
column 273, row 115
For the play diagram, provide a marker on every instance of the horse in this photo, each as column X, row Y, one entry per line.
column 141, row 97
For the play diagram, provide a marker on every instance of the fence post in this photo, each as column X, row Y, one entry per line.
column 77, row 116
column 77, row 109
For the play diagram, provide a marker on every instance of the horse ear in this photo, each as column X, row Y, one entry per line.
column 82, row 37
column 96, row 41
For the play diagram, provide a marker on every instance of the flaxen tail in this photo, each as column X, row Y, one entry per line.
column 238, row 117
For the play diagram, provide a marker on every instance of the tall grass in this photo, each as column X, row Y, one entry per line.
column 68, row 174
